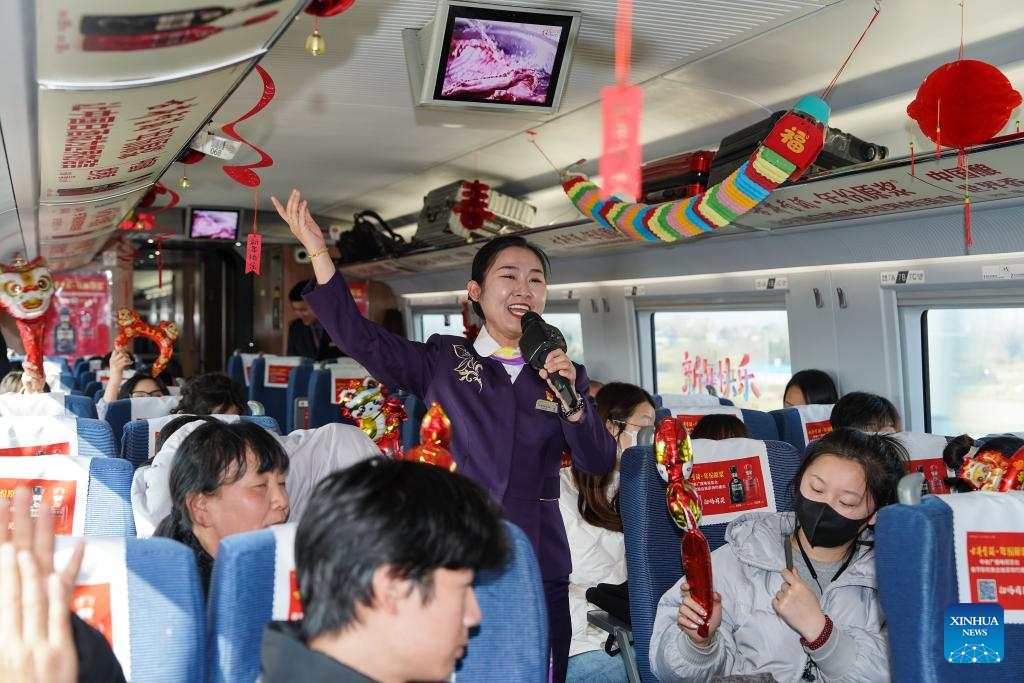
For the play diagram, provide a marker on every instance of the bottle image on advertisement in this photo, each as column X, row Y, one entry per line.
column 925, row 489
column 736, row 492
column 60, row 513
column 86, row 319
column 37, row 501
column 64, row 334
column 750, row 484
column 933, row 477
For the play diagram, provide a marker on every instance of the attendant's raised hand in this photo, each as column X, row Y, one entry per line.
column 300, row 221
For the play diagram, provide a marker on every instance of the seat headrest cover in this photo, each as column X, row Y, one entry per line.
column 100, row 597
column 54, row 435
column 728, row 493
column 987, row 546
column 816, row 420
column 153, row 406
column 18, row 405
column 692, row 415
column 343, row 374
column 247, row 361
column 276, row 370
column 58, row 481
column 925, row 456
column 287, row 603
column 678, row 402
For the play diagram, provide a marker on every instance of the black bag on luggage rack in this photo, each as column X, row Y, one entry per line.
column 840, row 149
column 370, row 238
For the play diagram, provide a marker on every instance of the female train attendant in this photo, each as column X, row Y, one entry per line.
column 508, row 430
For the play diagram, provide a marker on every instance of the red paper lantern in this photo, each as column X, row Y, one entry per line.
column 328, row 8
column 963, row 103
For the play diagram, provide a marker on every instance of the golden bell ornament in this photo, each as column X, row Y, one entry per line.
column 315, row 44
column 185, row 184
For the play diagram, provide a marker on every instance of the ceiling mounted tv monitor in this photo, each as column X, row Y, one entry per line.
column 489, row 56
column 214, row 224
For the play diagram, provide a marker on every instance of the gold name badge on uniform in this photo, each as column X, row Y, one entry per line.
column 547, row 406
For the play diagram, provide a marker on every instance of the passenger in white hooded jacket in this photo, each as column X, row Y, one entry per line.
column 313, row 454
column 795, row 593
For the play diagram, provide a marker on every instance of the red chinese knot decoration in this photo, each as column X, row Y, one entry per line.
column 472, row 208
column 163, row 335
column 673, row 454
column 26, row 289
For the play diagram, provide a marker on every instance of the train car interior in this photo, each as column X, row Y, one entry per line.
column 765, row 253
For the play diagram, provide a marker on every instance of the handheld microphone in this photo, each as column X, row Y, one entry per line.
column 538, row 340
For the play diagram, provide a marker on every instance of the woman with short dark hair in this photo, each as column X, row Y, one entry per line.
column 226, row 479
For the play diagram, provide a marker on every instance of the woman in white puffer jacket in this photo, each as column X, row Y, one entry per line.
column 796, row 594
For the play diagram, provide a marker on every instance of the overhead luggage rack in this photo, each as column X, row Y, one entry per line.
column 866, row 191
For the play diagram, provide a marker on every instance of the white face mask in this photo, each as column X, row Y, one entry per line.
column 632, row 440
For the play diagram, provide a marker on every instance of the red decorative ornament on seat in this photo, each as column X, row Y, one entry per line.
column 435, row 437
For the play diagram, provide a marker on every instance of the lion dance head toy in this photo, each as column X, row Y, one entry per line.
column 378, row 415
column 435, row 438
column 162, row 334
column 26, row 289
column 673, row 454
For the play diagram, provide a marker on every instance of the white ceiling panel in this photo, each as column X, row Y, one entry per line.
column 343, row 128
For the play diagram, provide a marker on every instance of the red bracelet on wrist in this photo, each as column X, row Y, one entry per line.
column 821, row 639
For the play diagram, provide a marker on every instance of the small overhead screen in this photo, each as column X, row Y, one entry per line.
column 484, row 55
column 214, row 224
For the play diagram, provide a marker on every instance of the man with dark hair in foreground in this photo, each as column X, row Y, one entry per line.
column 385, row 556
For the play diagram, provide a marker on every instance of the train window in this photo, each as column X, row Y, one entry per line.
column 439, row 323
column 973, row 369
column 742, row 354
column 571, row 327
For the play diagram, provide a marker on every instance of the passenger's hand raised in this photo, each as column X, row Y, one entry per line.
column 120, row 359
column 798, row 606
column 33, row 380
column 35, row 623
column 300, row 221
column 691, row 615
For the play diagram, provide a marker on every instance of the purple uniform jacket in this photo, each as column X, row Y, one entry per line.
column 500, row 439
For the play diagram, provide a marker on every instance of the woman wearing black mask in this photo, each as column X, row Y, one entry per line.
column 796, row 591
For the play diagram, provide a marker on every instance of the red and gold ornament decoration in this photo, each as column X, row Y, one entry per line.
column 26, row 289
column 162, row 334
column 315, row 43
column 673, row 454
column 379, row 416
column 435, row 439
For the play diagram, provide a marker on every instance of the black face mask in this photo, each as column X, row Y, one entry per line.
column 823, row 526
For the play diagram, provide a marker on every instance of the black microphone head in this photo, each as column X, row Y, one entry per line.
column 529, row 318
